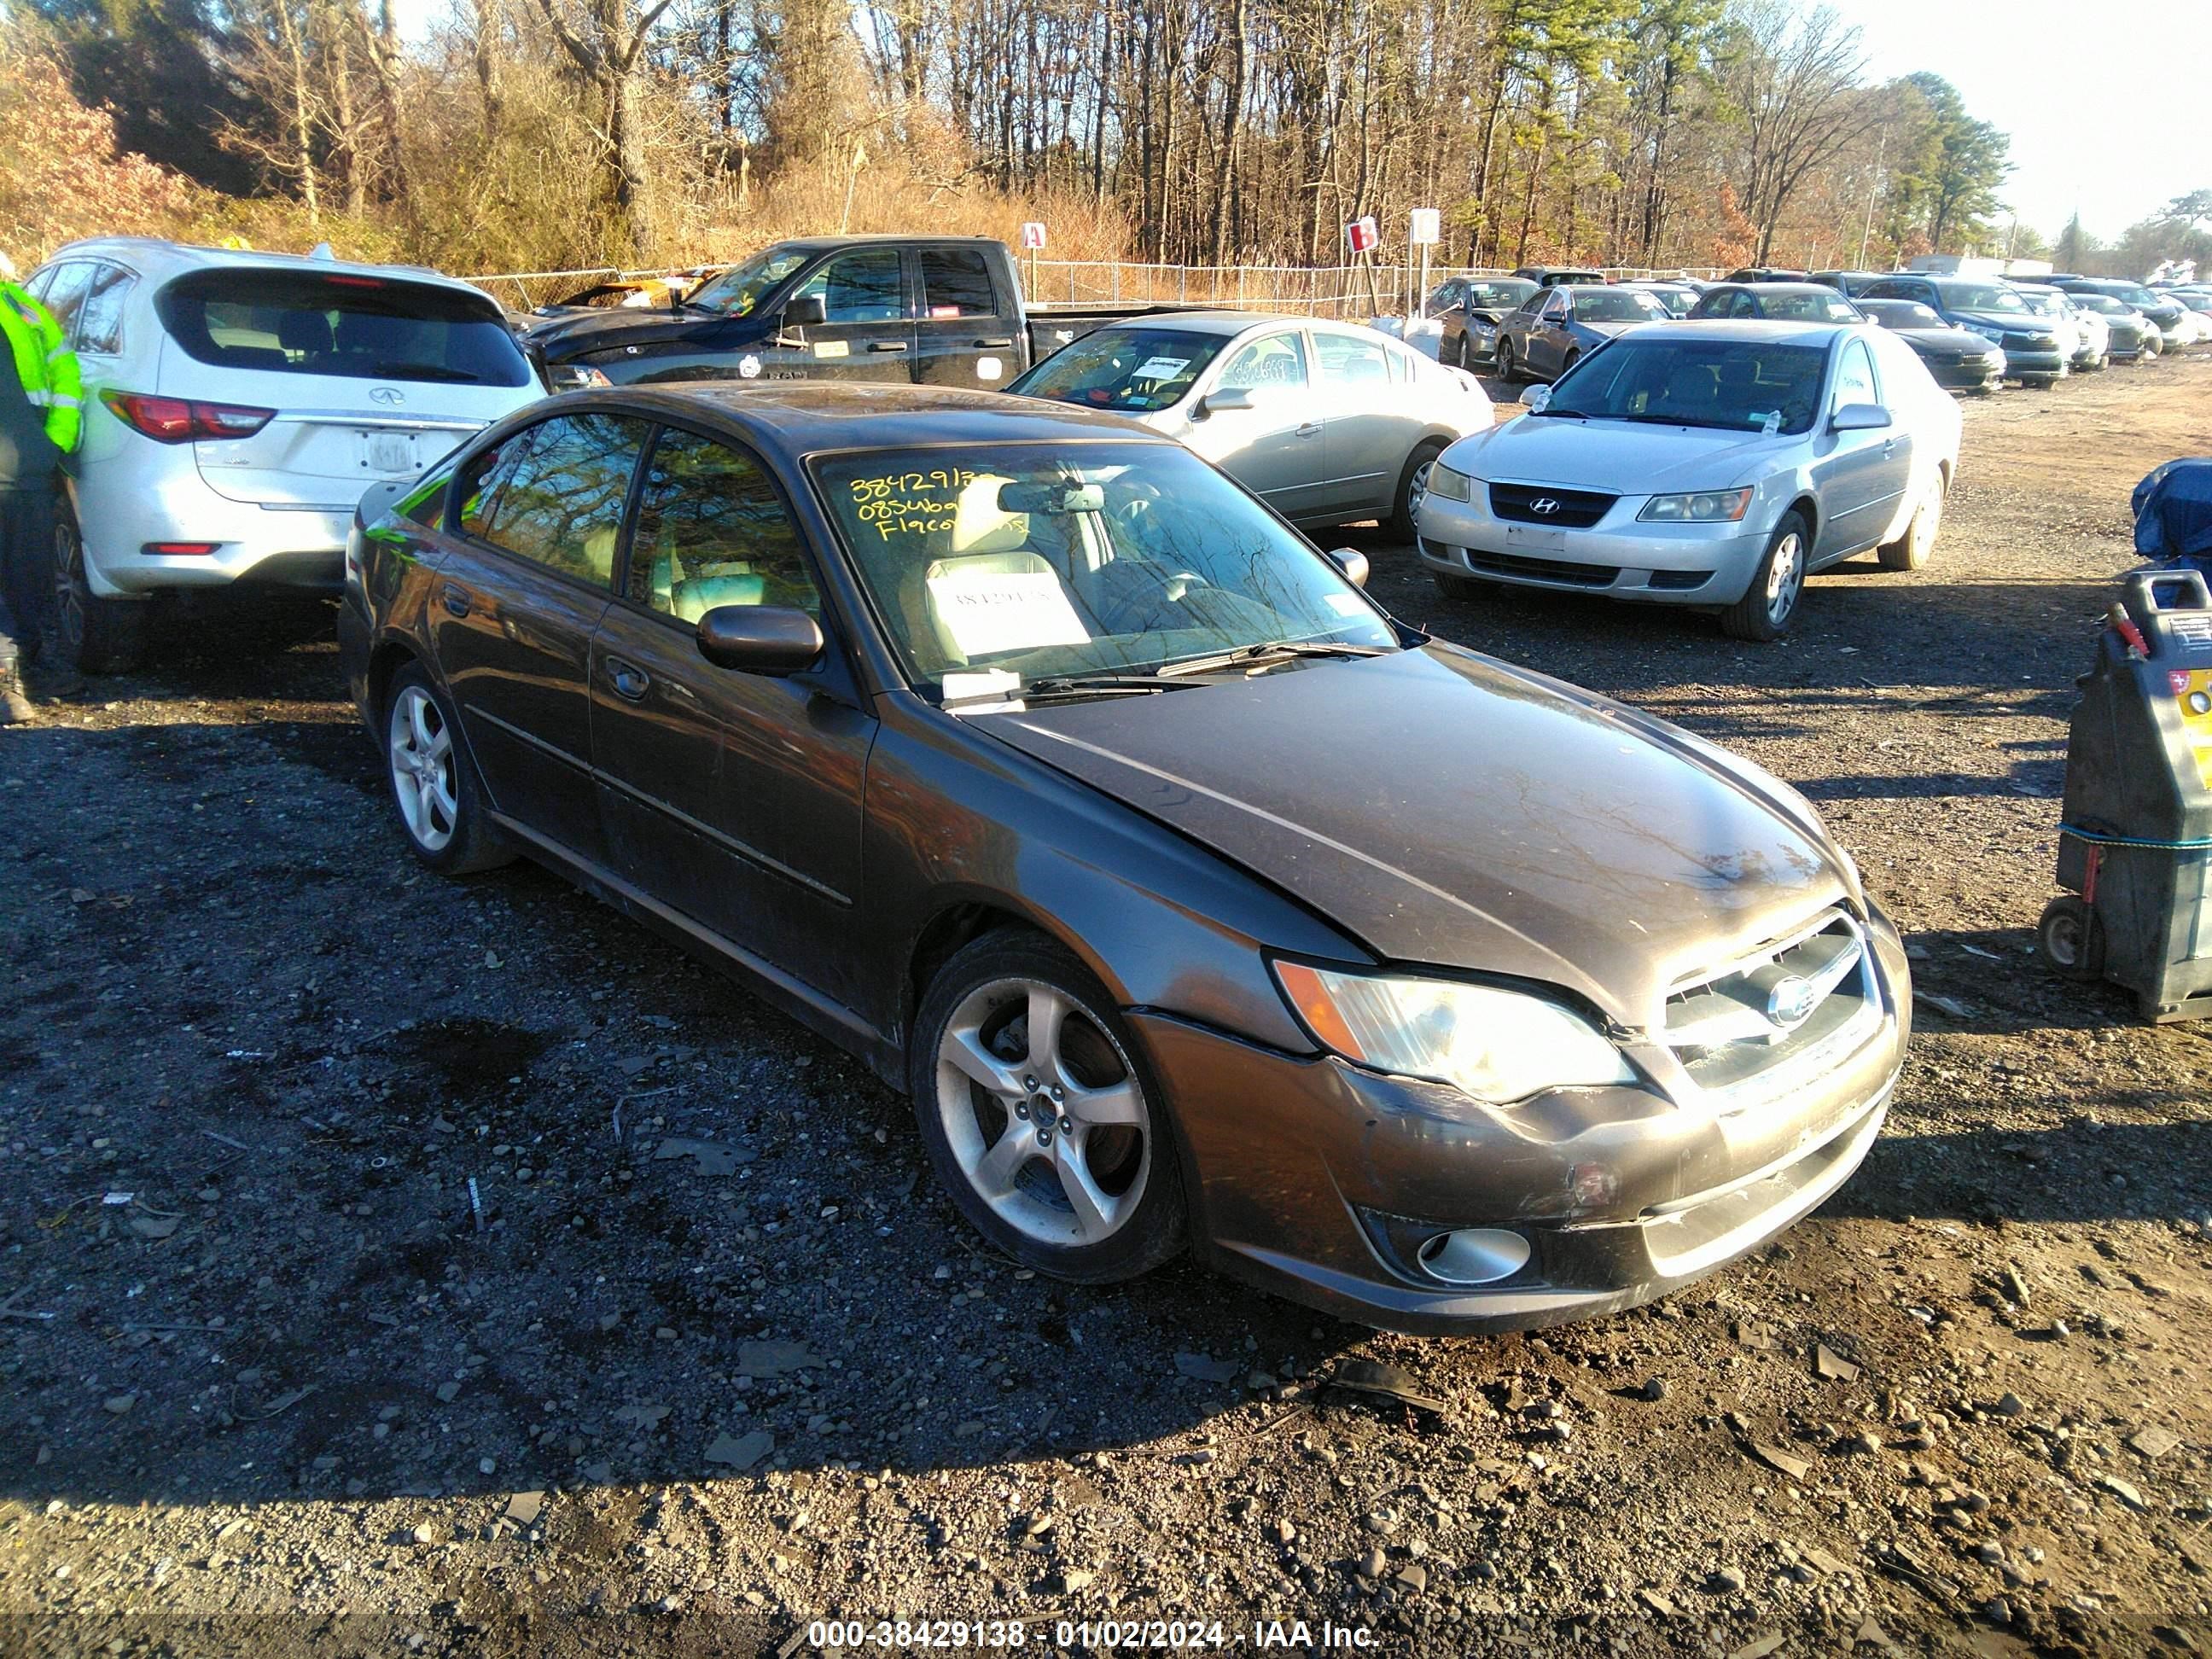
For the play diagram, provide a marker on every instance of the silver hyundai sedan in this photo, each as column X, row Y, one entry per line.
column 1326, row 422
column 1706, row 464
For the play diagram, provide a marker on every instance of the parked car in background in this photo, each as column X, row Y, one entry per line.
column 2083, row 336
column 1707, row 463
column 1674, row 298
column 1763, row 274
column 1326, row 422
column 1470, row 308
column 235, row 406
column 1559, row 275
column 2129, row 334
column 622, row 294
column 1778, row 301
column 936, row 310
column 1991, row 308
column 1195, row 904
column 1555, row 328
column 1848, row 283
column 1957, row 360
column 2163, row 311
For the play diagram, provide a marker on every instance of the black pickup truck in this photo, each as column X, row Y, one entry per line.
column 932, row 310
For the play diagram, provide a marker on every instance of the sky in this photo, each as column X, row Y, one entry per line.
column 2106, row 111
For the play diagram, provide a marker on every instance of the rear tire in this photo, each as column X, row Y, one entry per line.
column 435, row 791
column 1508, row 373
column 93, row 635
column 1412, row 486
column 1769, row 606
column 2072, row 939
column 1912, row 551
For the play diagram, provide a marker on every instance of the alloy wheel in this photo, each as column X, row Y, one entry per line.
column 1417, row 486
column 1785, row 578
column 1044, row 1113
column 423, row 769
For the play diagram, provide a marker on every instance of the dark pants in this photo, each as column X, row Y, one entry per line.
column 26, row 569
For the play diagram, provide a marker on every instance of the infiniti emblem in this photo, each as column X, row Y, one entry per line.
column 386, row 394
column 1791, row 1002
column 1544, row 504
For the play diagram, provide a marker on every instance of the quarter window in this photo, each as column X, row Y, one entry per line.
column 561, row 504
column 956, row 282
column 858, row 287
column 100, row 320
column 712, row 530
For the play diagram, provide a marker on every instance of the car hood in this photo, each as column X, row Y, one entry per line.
column 577, row 334
column 1610, row 331
column 1448, row 810
column 1624, row 458
column 2010, row 322
column 1943, row 342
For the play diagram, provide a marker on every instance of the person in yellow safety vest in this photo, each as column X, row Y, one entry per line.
column 41, row 413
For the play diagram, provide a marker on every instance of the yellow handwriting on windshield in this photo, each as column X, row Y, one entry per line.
column 910, row 503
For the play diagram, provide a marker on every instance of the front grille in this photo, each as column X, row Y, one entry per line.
column 1543, row 570
column 1568, row 509
column 1738, row 1024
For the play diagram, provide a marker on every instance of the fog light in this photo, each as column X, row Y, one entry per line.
column 1475, row 1255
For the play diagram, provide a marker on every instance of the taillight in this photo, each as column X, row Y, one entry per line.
column 175, row 550
column 174, row 420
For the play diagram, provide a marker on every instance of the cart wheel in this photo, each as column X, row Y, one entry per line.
column 2072, row 938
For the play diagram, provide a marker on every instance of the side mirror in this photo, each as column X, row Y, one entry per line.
column 806, row 311
column 1350, row 563
column 1859, row 417
column 1228, row 397
column 1537, row 398
column 760, row 639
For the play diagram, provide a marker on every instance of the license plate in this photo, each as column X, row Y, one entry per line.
column 388, row 451
column 1529, row 538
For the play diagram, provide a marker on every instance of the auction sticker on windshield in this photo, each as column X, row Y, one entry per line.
column 1159, row 368
column 986, row 612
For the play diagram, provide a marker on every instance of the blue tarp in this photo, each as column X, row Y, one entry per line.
column 2173, row 513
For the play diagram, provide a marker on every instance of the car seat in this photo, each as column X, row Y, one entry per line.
column 304, row 336
column 985, row 540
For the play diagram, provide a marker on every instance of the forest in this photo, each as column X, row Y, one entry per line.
column 552, row 134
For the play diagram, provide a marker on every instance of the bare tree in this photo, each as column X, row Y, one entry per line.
column 1797, row 80
column 605, row 40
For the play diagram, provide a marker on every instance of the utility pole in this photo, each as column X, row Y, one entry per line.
column 1866, row 232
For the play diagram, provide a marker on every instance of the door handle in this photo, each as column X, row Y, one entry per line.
column 1309, row 429
column 887, row 346
column 455, row 599
column 630, row 682
column 1001, row 343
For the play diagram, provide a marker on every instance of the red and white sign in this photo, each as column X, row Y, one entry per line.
column 1032, row 234
column 1361, row 236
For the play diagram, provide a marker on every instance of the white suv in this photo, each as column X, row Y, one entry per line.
column 236, row 406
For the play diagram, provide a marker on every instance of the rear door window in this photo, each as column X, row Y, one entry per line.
column 100, row 318
column 1348, row 361
column 362, row 328
column 66, row 292
column 955, row 281
column 561, row 503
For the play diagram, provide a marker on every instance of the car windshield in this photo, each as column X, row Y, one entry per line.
column 1738, row 385
column 1615, row 304
column 1501, row 295
column 1068, row 559
column 1984, row 296
column 738, row 289
column 1821, row 307
column 2133, row 293
column 2103, row 304
column 2050, row 303
column 1900, row 313
column 1132, row 370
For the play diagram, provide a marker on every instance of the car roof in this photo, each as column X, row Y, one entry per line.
column 1225, row 323
column 156, row 259
column 815, row 244
column 790, row 419
column 1771, row 331
column 1785, row 288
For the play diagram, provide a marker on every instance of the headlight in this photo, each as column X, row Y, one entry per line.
column 1493, row 1045
column 1706, row 507
column 1986, row 331
column 1486, row 330
column 1450, row 486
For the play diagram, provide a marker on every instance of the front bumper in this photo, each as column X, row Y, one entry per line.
column 2020, row 363
column 1310, row 1175
column 1620, row 557
column 1967, row 373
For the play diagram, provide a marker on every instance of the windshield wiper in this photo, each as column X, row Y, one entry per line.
column 1062, row 687
column 1552, row 409
column 1246, row 655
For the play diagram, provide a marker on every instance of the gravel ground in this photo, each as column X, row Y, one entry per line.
column 715, row 1360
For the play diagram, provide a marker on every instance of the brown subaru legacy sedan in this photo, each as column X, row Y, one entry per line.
column 1195, row 902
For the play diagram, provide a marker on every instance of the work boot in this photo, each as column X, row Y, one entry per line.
column 15, row 708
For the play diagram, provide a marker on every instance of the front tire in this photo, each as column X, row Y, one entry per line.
column 434, row 787
column 1508, row 372
column 95, row 635
column 1041, row 1118
column 1912, row 551
column 1769, row 606
column 1413, row 488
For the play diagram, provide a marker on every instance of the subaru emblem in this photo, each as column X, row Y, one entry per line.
column 1790, row 1002
column 1544, row 504
column 386, row 394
